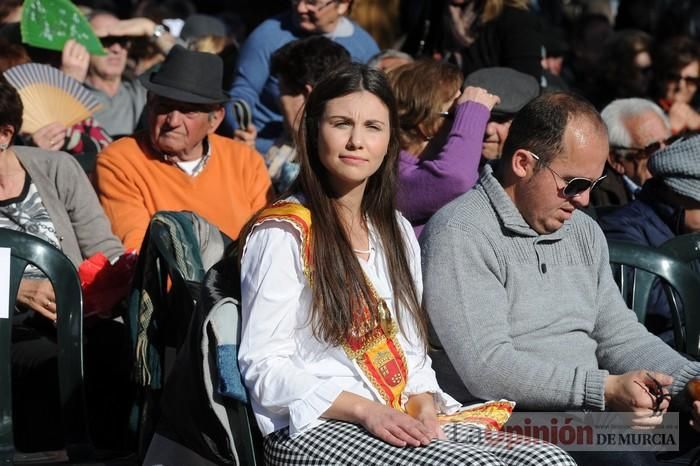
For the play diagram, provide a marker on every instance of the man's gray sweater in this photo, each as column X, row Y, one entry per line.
column 533, row 318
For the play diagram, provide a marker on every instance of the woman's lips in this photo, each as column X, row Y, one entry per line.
column 352, row 160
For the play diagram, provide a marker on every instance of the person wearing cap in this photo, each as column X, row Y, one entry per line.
column 514, row 89
column 178, row 163
column 637, row 128
column 519, row 291
column 441, row 129
column 668, row 205
column 197, row 26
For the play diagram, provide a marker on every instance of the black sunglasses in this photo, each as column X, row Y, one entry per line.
column 109, row 41
column 573, row 187
column 640, row 153
column 694, row 80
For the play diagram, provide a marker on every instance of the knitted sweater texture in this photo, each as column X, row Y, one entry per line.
column 533, row 318
column 134, row 183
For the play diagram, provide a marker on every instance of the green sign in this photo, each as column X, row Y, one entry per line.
column 50, row 23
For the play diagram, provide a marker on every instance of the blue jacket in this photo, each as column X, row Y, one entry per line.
column 254, row 84
column 649, row 222
column 642, row 221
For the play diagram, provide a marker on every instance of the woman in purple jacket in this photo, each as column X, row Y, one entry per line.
column 442, row 129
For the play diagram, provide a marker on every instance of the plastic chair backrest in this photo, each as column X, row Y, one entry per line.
column 28, row 249
column 683, row 247
column 221, row 284
column 195, row 415
column 169, row 271
column 636, row 267
column 176, row 250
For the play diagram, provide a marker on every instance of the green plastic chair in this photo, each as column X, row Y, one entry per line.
column 683, row 247
column 28, row 249
column 636, row 268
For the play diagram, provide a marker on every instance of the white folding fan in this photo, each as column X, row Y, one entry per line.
column 50, row 95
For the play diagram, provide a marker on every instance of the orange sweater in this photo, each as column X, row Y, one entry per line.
column 133, row 184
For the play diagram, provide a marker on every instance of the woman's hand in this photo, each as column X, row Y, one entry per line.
column 38, row 295
column 50, row 137
column 388, row 424
column 75, row 60
column 247, row 135
column 480, row 96
column 396, row 428
column 683, row 117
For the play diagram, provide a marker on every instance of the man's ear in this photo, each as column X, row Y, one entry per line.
column 215, row 119
column 521, row 163
column 343, row 7
column 307, row 90
column 615, row 163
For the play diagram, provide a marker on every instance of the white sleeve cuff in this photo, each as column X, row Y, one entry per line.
column 304, row 413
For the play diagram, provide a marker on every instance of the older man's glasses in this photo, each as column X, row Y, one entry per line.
column 575, row 186
column 689, row 80
column 316, row 5
column 640, row 153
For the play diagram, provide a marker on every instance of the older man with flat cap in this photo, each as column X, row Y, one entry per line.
column 515, row 89
column 178, row 163
column 667, row 205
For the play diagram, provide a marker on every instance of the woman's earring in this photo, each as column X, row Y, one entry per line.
column 3, row 147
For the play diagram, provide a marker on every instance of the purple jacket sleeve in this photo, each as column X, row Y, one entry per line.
column 426, row 185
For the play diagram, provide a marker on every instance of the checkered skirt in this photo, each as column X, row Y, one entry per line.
column 345, row 444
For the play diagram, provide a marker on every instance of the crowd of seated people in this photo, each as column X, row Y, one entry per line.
column 431, row 216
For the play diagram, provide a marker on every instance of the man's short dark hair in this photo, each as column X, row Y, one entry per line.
column 307, row 60
column 540, row 125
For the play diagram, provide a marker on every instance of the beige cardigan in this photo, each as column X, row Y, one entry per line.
column 81, row 225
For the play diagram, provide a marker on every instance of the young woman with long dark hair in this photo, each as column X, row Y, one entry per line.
column 333, row 347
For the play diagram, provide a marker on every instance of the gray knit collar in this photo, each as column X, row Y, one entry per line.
column 509, row 215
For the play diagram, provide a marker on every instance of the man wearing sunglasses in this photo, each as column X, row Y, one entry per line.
column 637, row 128
column 122, row 99
column 518, row 286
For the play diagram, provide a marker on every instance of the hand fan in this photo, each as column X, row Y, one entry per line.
column 50, row 95
column 50, row 23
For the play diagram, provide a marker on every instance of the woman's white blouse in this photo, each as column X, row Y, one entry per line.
column 292, row 377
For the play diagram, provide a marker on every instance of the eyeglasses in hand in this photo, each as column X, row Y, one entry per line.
column 656, row 392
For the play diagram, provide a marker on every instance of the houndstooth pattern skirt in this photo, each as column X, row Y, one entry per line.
column 340, row 443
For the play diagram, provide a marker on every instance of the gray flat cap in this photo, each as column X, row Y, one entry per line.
column 198, row 25
column 513, row 87
column 678, row 166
